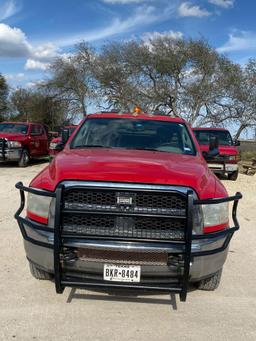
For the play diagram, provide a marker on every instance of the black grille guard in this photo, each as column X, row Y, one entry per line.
column 2, row 147
column 181, row 287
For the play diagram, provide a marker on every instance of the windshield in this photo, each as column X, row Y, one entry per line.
column 134, row 134
column 13, row 128
column 70, row 130
column 224, row 137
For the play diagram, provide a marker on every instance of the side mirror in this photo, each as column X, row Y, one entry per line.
column 65, row 136
column 236, row 143
column 213, row 148
column 59, row 146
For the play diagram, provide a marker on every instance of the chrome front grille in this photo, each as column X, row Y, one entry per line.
column 94, row 200
column 117, row 213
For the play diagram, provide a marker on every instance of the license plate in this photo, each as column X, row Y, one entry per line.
column 121, row 273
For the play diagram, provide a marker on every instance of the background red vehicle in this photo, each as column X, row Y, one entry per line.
column 53, row 150
column 227, row 160
column 53, row 135
column 22, row 141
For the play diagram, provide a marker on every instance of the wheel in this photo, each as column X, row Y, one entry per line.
column 24, row 159
column 210, row 283
column 233, row 176
column 38, row 273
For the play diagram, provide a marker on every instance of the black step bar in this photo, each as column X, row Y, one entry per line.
column 62, row 281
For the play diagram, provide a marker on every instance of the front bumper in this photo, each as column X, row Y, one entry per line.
column 221, row 166
column 201, row 267
column 196, row 258
column 10, row 154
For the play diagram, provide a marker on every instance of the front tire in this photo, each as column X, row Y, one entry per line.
column 233, row 176
column 210, row 283
column 24, row 158
column 38, row 273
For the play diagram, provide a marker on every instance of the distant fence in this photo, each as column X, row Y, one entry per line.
column 247, row 146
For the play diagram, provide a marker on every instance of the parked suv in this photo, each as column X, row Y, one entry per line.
column 20, row 142
column 227, row 160
column 128, row 204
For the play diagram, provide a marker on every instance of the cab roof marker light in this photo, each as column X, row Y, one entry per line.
column 137, row 111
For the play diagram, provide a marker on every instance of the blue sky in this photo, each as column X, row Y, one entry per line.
column 33, row 32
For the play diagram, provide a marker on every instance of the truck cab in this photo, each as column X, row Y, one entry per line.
column 21, row 141
column 226, row 162
column 129, row 203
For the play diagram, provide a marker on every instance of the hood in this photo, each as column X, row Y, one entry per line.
column 12, row 136
column 129, row 166
column 224, row 150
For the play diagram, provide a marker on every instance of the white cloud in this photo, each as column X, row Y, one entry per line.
column 14, row 76
column 154, row 35
column 148, row 37
column 186, row 9
column 32, row 64
column 30, row 85
column 8, row 9
column 124, row 2
column 33, row 84
column 239, row 41
column 13, row 42
column 143, row 16
column 46, row 51
column 222, row 3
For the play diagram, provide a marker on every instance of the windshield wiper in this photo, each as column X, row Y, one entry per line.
column 150, row 149
column 92, row 146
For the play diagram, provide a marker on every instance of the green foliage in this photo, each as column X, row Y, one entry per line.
column 72, row 79
column 184, row 78
column 36, row 106
column 4, row 90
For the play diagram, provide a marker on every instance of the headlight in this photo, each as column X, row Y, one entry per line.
column 39, row 208
column 215, row 217
column 53, row 145
column 14, row 144
column 197, row 219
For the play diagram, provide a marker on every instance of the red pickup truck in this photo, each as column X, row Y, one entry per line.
column 129, row 203
column 22, row 141
column 226, row 162
column 53, row 148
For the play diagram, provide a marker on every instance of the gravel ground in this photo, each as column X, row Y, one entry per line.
column 31, row 310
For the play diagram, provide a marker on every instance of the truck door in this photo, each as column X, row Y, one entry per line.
column 44, row 141
column 37, row 140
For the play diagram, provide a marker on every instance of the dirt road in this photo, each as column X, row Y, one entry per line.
column 31, row 310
